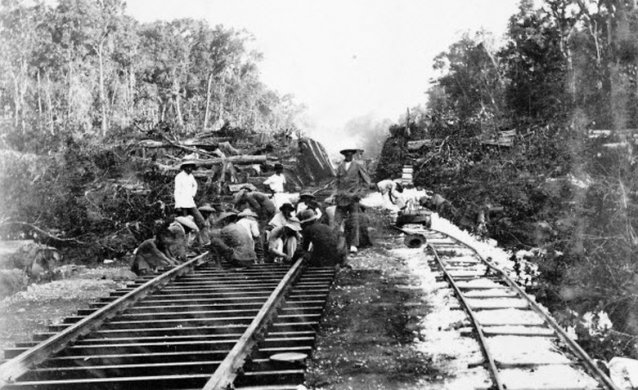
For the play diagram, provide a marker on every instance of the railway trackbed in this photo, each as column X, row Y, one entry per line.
column 194, row 326
column 521, row 344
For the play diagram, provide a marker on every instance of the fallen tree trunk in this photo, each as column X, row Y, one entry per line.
column 43, row 233
column 190, row 147
column 210, row 162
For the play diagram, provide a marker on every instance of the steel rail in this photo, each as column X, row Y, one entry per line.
column 227, row 371
column 14, row 368
column 587, row 361
column 477, row 326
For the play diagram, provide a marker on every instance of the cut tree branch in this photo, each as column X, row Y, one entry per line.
column 44, row 233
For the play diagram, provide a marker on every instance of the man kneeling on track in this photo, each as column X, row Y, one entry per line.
column 234, row 244
column 157, row 252
column 283, row 241
column 321, row 246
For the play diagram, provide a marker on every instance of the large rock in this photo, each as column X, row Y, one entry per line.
column 36, row 260
column 8, row 248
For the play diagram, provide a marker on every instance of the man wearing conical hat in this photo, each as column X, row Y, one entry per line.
column 351, row 185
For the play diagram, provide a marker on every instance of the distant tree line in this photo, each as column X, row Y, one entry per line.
column 573, row 60
column 83, row 68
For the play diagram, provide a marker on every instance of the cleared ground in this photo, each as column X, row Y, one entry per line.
column 32, row 310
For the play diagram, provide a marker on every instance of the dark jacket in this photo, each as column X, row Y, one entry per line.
column 325, row 245
column 354, row 179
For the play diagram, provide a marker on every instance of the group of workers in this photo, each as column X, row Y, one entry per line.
column 270, row 226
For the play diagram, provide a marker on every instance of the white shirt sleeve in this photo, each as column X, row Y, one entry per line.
column 254, row 229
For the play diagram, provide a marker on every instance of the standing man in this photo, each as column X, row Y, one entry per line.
column 275, row 184
column 350, row 186
column 185, row 190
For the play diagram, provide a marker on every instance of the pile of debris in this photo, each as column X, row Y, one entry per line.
column 230, row 158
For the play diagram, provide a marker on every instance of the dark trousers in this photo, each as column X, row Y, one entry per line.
column 348, row 215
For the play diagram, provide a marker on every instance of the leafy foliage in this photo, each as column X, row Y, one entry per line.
column 566, row 67
column 83, row 68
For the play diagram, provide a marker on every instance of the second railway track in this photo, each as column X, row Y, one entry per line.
column 196, row 326
column 538, row 354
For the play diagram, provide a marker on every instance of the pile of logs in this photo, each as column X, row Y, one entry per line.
column 249, row 160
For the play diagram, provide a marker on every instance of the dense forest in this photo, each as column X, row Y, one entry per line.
column 564, row 87
column 84, row 69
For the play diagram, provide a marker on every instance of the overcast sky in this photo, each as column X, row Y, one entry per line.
column 344, row 58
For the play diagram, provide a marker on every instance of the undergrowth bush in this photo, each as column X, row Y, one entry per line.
column 573, row 197
column 94, row 194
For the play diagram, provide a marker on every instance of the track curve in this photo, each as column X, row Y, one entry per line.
column 501, row 313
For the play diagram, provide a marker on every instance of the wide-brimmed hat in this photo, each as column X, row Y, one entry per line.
column 207, row 207
column 188, row 160
column 307, row 195
column 350, row 150
column 247, row 213
column 226, row 215
column 187, row 222
column 294, row 226
column 306, row 216
column 249, row 187
column 286, row 205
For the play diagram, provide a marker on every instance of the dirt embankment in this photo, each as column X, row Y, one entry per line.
column 371, row 324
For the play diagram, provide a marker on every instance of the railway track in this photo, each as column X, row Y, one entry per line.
column 538, row 354
column 193, row 327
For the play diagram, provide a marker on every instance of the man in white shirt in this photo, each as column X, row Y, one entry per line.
column 185, row 190
column 276, row 182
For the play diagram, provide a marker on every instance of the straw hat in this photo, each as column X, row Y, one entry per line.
column 287, row 205
column 306, row 216
column 188, row 222
column 350, row 150
column 207, row 207
column 293, row 226
column 188, row 160
column 247, row 213
column 249, row 187
column 307, row 195
column 226, row 215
